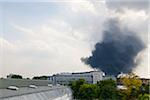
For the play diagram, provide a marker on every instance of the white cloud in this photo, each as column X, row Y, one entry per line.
column 58, row 42
column 43, row 51
column 143, row 69
column 120, row 5
column 136, row 21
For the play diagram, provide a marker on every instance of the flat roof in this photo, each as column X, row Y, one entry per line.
column 5, row 93
column 74, row 73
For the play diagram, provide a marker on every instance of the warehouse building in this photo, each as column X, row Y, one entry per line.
column 65, row 78
column 22, row 89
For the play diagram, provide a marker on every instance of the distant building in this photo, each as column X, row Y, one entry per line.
column 65, row 78
column 121, row 87
column 109, row 77
column 145, row 81
column 121, row 75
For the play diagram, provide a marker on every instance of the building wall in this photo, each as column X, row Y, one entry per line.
column 66, row 79
column 4, row 83
column 90, row 77
column 110, row 77
column 97, row 76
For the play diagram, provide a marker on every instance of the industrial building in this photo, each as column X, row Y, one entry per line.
column 22, row 89
column 65, row 78
column 110, row 77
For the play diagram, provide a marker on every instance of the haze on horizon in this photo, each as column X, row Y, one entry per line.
column 47, row 37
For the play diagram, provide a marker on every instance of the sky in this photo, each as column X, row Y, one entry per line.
column 44, row 37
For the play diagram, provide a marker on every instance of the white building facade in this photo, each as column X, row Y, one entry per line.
column 65, row 78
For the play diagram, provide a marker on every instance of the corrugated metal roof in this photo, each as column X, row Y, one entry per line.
column 23, row 91
column 40, row 93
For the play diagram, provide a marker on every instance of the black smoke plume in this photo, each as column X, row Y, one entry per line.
column 117, row 51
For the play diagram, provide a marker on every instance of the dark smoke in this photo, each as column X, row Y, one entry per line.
column 117, row 51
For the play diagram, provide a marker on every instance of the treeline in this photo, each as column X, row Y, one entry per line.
column 16, row 76
column 107, row 90
column 40, row 77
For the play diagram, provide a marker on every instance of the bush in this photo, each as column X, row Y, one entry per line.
column 88, row 91
column 144, row 97
column 107, row 90
column 75, row 86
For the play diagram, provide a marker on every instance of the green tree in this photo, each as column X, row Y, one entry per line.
column 144, row 93
column 144, row 97
column 88, row 92
column 121, row 95
column 107, row 90
column 147, row 88
column 14, row 76
column 75, row 86
column 133, row 84
column 40, row 77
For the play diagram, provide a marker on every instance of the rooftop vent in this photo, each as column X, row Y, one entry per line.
column 50, row 85
column 12, row 88
column 33, row 86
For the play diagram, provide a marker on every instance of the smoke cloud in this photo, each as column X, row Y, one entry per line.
column 117, row 51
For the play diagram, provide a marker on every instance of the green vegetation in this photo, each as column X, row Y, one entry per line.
column 144, row 97
column 88, row 91
column 103, row 90
column 14, row 76
column 107, row 89
column 133, row 84
column 40, row 77
column 75, row 86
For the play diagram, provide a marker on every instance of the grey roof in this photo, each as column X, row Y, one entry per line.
column 5, row 93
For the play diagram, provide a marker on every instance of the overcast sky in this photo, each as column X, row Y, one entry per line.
column 43, row 37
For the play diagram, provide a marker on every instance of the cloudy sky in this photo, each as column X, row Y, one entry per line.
column 43, row 37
